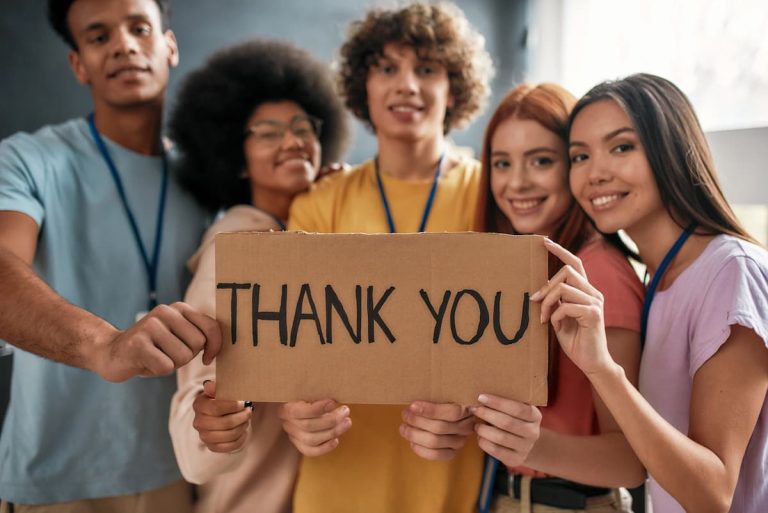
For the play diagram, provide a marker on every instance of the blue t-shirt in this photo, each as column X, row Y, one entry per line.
column 69, row 434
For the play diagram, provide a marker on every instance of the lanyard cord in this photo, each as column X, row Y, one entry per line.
column 427, row 206
column 485, row 497
column 671, row 254
column 152, row 265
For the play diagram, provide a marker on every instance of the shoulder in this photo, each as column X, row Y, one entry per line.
column 726, row 250
column 726, row 264
column 609, row 271
column 727, row 285
column 466, row 168
column 242, row 218
column 50, row 139
column 601, row 259
column 463, row 178
column 335, row 185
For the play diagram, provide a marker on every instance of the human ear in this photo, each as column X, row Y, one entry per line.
column 77, row 67
column 173, row 48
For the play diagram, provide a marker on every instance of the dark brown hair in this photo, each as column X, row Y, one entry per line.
column 436, row 31
column 59, row 9
column 676, row 149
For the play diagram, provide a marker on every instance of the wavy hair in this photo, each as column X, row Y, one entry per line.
column 438, row 31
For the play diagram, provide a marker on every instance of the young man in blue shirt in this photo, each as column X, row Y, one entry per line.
column 94, row 233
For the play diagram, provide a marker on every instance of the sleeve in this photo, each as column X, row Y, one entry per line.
column 610, row 273
column 738, row 294
column 201, row 293
column 197, row 463
column 22, row 167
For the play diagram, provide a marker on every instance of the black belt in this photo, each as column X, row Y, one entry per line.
column 550, row 491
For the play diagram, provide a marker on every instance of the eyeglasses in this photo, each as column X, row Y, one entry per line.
column 270, row 132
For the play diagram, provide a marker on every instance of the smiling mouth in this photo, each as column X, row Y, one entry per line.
column 128, row 71
column 525, row 205
column 295, row 159
column 405, row 108
column 606, row 200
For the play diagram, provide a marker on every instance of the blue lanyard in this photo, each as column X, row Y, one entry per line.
column 671, row 254
column 430, row 198
column 485, row 497
column 150, row 265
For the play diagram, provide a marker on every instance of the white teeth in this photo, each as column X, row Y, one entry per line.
column 404, row 108
column 525, row 204
column 604, row 200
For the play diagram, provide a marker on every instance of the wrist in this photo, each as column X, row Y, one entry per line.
column 96, row 348
column 608, row 375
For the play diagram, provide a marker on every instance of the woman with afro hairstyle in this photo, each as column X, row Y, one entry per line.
column 412, row 74
column 252, row 127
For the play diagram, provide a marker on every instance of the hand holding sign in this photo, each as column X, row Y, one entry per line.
column 314, row 428
column 436, row 431
column 575, row 309
column 168, row 337
column 223, row 425
column 511, row 431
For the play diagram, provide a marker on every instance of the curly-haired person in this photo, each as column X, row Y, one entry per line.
column 412, row 74
column 252, row 126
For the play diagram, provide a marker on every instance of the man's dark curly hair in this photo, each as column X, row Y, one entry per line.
column 215, row 102
column 436, row 31
column 58, row 10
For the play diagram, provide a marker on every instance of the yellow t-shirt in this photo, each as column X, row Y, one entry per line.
column 373, row 470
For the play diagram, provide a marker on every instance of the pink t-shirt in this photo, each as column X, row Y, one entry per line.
column 688, row 322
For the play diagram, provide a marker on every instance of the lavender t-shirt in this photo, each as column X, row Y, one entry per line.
column 688, row 322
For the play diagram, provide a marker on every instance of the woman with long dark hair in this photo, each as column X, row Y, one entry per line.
column 699, row 423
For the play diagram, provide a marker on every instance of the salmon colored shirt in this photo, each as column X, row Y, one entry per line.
column 571, row 409
column 373, row 469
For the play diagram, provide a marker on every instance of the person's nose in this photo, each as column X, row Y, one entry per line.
column 291, row 140
column 124, row 43
column 407, row 83
column 598, row 170
column 517, row 179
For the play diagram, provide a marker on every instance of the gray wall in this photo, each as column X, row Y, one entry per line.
column 38, row 87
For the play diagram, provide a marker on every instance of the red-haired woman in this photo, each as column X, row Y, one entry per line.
column 581, row 456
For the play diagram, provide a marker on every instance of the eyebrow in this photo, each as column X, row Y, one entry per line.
column 541, row 149
column 100, row 25
column 607, row 137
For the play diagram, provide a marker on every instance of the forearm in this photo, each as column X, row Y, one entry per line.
column 36, row 319
column 605, row 460
column 693, row 474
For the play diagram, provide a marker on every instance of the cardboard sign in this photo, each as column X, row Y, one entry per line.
column 380, row 319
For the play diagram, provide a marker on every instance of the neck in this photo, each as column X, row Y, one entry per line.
column 654, row 239
column 271, row 202
column 407, row 160
column 137, row 128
